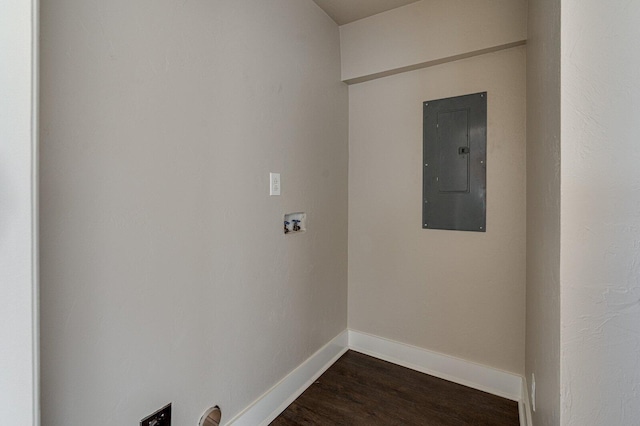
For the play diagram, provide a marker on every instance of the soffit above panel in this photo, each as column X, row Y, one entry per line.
column 345, row 11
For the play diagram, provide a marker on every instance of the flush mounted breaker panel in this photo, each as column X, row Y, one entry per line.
column 454, row 163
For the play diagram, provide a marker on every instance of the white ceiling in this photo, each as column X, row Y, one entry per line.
column 345, row 11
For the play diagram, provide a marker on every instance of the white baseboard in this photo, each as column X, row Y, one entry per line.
column 524, row 406
column 266, row 408
column 486, row 379
column 273, row 402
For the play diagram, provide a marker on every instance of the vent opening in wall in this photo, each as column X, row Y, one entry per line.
column 454, row 163
column 211, row 417
column 295, row 223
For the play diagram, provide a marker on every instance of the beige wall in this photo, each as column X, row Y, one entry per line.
column 600, row 243
column 165, row 272
column 429, row 30
column 543, row 209
column 458, row 293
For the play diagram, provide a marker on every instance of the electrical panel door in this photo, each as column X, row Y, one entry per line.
column 455, row 160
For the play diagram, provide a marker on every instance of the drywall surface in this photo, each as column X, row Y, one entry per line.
column 427, row 31
column 18, row 405
column 458, row 293
column 166, row 276
column 543, row 209
column 600, row 268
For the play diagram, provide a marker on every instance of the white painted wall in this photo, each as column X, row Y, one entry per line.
column 429, row 30
column 600, row 269
column 18, row 286
column 165, row 272
column 543, row 209
column 458, row 293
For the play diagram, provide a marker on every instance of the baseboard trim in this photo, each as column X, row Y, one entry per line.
column 273, row 402
column 524, row 405
column 486, row 379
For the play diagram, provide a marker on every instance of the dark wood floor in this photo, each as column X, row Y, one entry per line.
column 361, row 390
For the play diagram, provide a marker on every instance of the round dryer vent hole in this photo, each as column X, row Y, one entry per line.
column 211, row 417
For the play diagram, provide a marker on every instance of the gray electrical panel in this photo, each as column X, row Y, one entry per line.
column 454, row 187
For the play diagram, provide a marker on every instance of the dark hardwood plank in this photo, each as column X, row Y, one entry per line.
column 362, row 390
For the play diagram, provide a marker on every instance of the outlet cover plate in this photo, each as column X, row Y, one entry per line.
column 274, row 179
column 533, row 392
column 162, row 417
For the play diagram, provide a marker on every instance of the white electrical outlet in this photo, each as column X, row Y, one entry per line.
column 274, row 183
column 533, row 392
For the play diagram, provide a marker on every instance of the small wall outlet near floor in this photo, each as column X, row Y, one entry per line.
column 162, row 417
column 533, row 392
